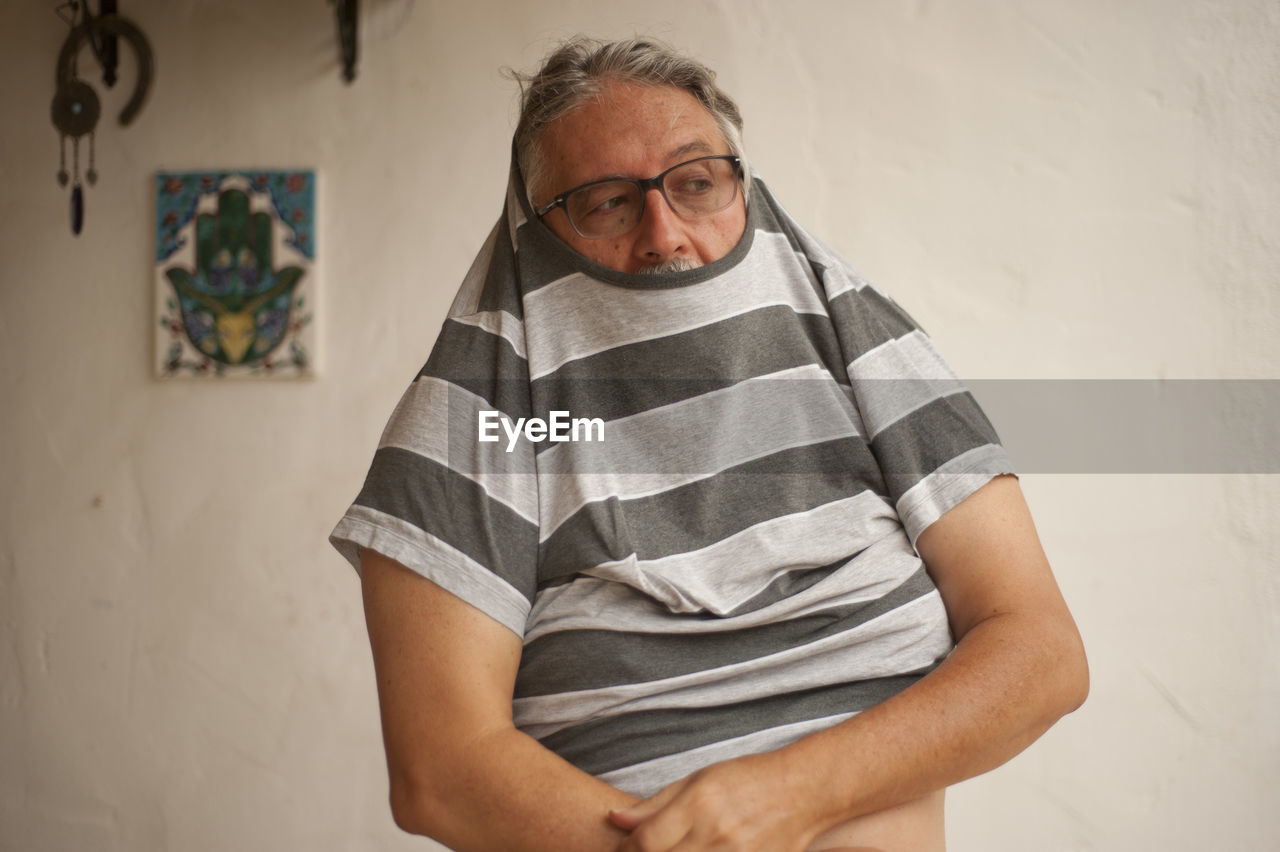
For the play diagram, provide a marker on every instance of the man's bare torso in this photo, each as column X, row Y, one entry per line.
column 916, row 826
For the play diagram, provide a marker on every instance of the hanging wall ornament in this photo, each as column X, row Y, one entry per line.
column 347, row 14
column 75, row 109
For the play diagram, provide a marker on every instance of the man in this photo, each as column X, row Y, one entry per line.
column 717, row 621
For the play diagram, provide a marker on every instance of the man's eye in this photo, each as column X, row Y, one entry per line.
column 695, row 186
column 609, row 205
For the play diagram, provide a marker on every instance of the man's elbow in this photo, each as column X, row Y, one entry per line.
column 1071, row 668
column 414, row 805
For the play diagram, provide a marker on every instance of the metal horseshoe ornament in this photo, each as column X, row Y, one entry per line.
column 75, row 109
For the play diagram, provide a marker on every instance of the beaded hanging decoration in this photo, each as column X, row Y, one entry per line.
column 75, row 109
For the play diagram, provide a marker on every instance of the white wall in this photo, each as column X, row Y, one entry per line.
column 1055, row 190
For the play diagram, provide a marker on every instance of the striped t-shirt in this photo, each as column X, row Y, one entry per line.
column 723, row 561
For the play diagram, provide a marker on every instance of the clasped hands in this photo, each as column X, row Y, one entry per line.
column 746, row 804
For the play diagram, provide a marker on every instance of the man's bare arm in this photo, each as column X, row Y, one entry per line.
column 1017, row 667
column 460, row 771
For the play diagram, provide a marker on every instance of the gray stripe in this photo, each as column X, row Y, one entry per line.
column 768, row 217
column 703, row 512
column 543, row 258
column 446, row 505
column 867, row 318
column 928, row 437
column 498, row 293
column 643, row 780
column 575, row 660
column 608, row 744
column 484, row 364
column 647, row 374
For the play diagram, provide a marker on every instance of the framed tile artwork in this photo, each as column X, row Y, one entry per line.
column 235, row 274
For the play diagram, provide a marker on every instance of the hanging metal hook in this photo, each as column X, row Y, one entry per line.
column 347, row 13
column 98, row 27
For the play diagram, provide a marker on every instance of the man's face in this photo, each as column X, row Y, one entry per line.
column 637, row 132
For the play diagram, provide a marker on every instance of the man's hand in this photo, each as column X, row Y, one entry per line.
column 746, row 804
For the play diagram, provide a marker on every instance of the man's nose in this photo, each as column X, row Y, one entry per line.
column 662, row 234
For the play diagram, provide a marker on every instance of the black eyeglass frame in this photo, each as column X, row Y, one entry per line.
column 644, row 185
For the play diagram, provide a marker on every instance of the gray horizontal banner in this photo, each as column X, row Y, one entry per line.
column 697, row 426
column 1136, row 425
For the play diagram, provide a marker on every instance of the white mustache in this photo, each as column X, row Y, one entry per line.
column 676, row 264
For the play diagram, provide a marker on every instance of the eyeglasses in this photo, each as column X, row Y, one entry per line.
column 607, row 208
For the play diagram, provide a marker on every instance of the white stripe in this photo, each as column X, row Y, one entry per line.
column 898, row 377
column 436, row 560
column 721, row 577
column 589, row 603
column 500, row 324
column 440, row 421
column 838, row 276
column 515, row 216
column 944, row 488
column 838, row 283
column 908, row 638
column 770, row 274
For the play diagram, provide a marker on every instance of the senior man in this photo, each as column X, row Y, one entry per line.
column 784, row 595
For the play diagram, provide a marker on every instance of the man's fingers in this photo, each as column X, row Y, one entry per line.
column 628, row 818
column 657, row 835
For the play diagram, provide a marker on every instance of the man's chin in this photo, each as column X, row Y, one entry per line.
column 676, row 264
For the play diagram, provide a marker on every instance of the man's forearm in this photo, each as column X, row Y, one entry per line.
column 1005, row 684
column 504, row 790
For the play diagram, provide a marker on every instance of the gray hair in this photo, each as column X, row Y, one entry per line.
column 581, row 67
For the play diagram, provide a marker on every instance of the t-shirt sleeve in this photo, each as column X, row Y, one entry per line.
column 458, row 510
column 933, row 443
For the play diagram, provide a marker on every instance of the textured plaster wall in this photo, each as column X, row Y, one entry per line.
column 1055, row 190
